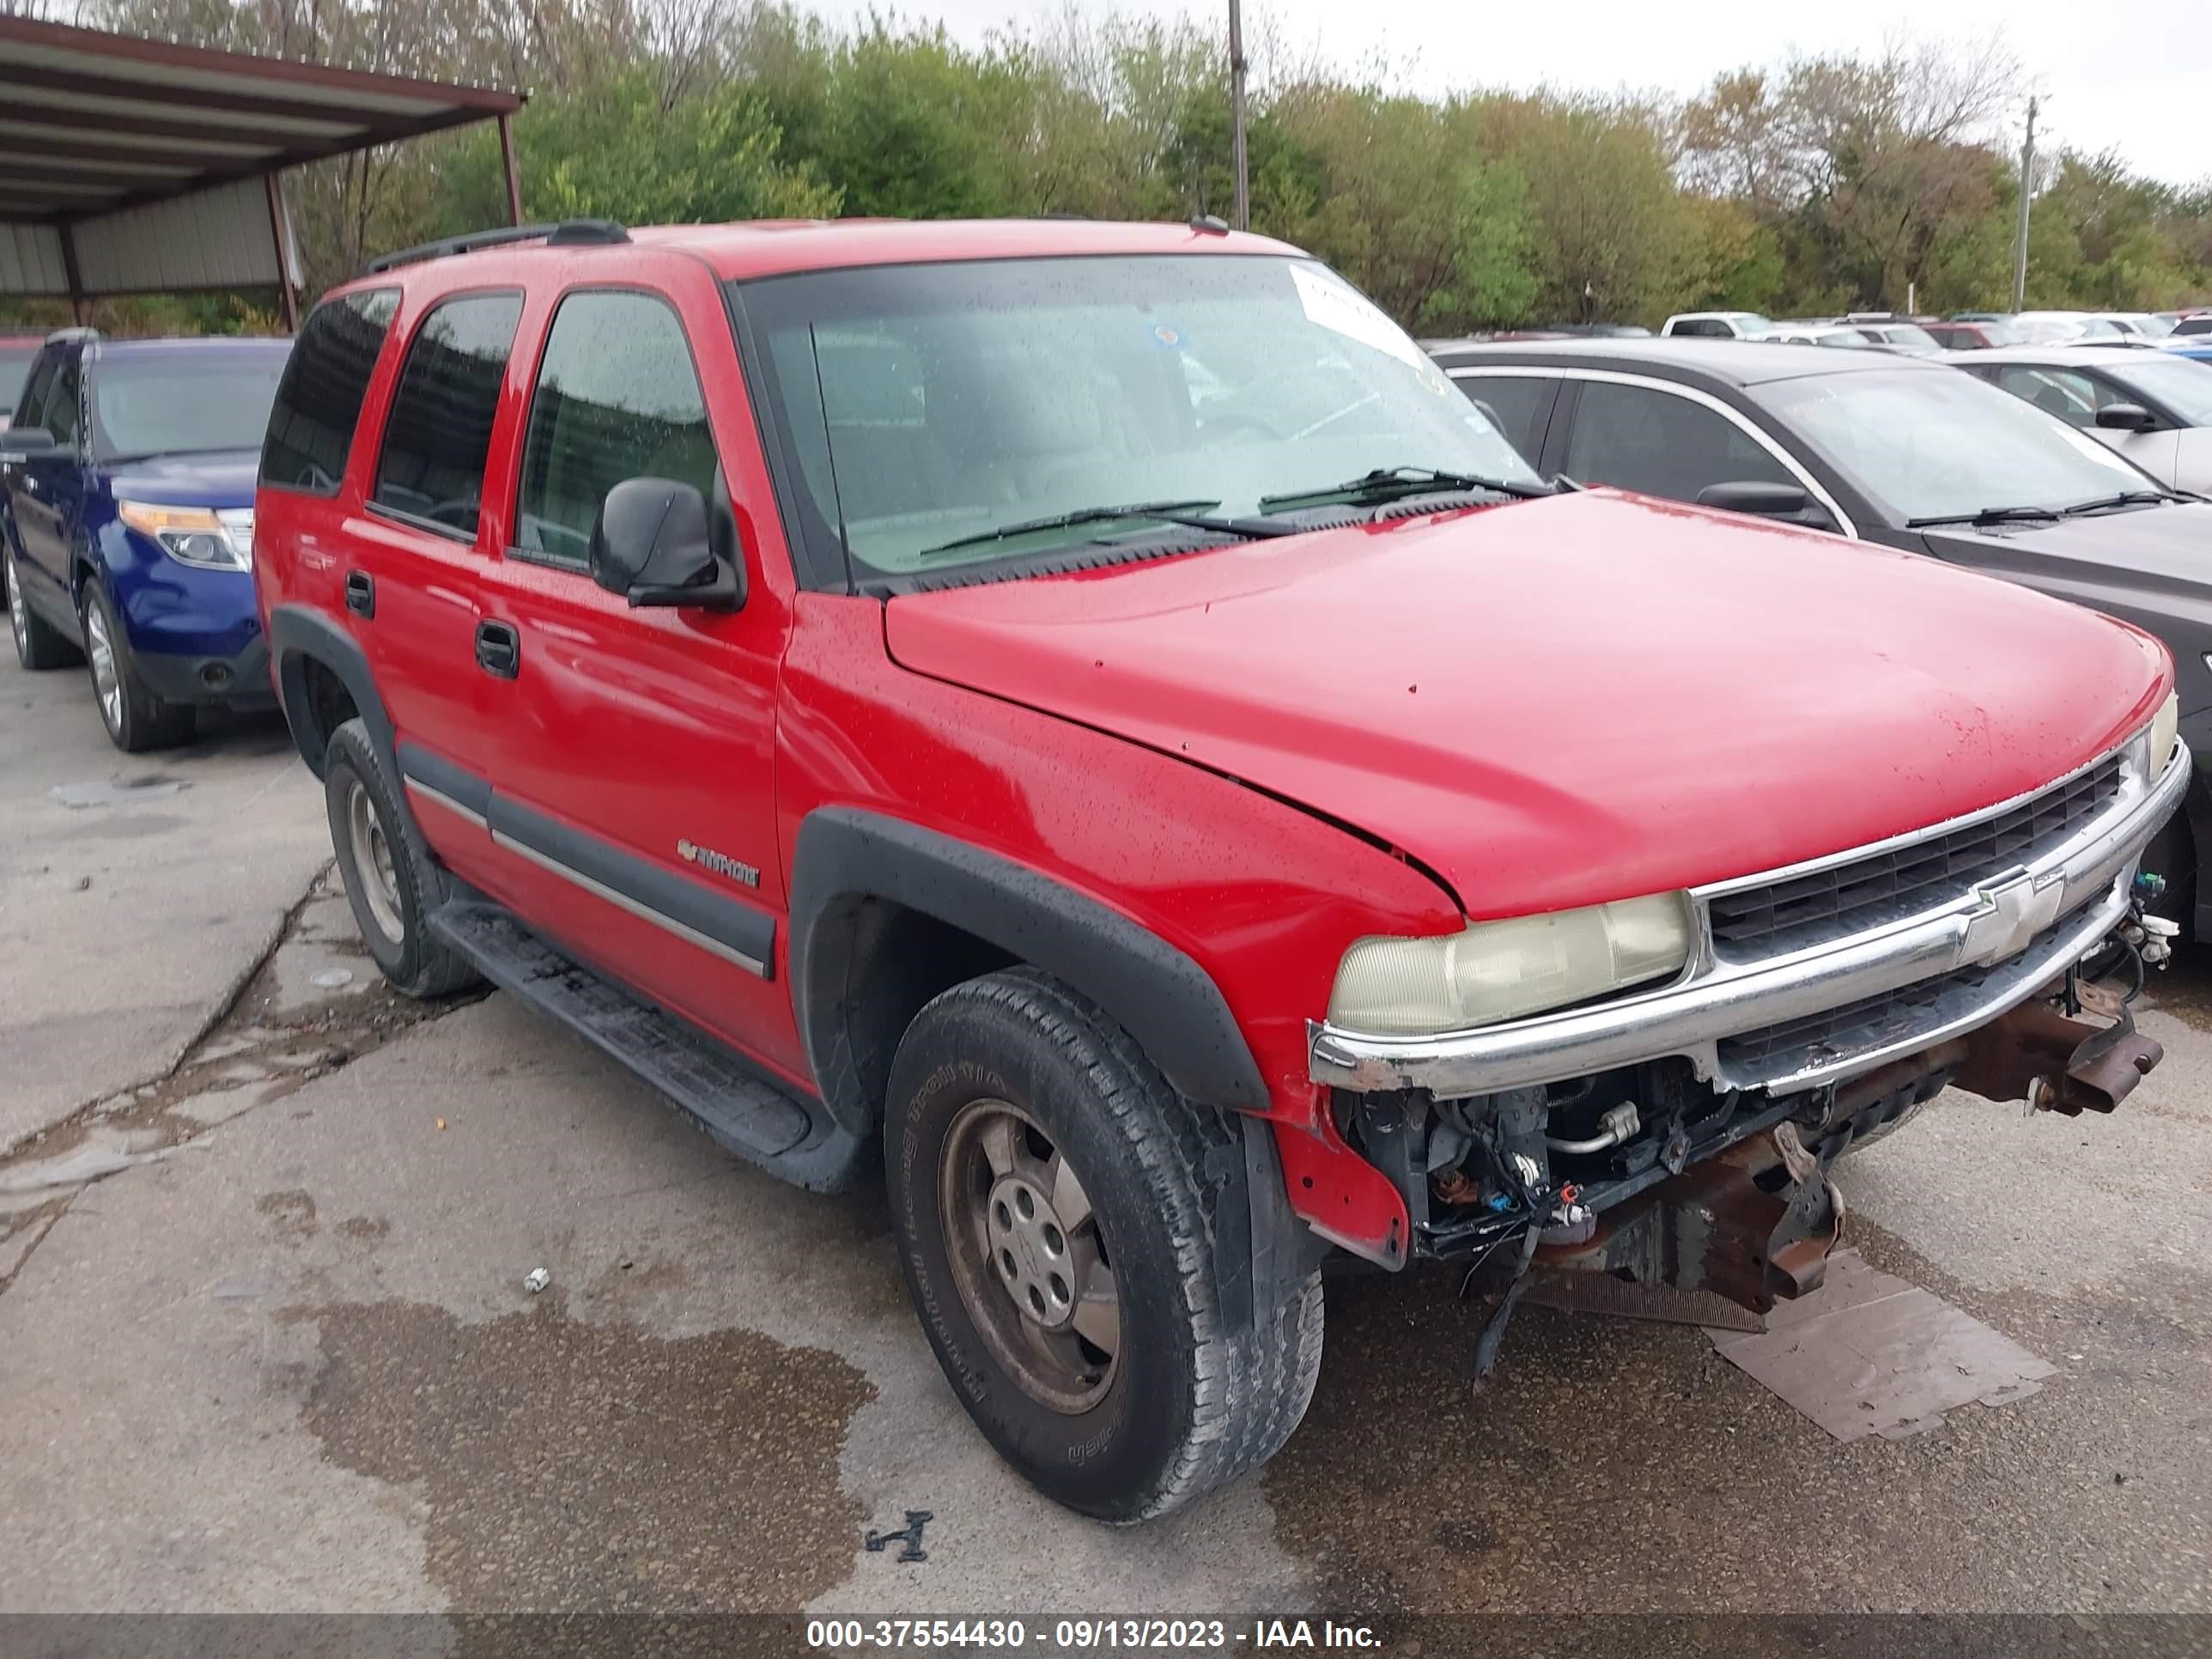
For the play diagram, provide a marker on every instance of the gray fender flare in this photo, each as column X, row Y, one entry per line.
column 846, row 856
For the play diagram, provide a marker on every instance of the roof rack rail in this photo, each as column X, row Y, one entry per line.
column 569, row 233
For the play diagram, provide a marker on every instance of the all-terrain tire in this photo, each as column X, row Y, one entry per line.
column 1190, row 1403
column 39, row 644
column 391, row 881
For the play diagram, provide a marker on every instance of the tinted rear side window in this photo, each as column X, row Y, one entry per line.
column 438, row 433
column 1661, row 444
column 318, row 400
column 1518, row 405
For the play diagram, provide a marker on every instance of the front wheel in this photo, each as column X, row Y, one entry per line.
column 135, row 717
column 1057, row 1222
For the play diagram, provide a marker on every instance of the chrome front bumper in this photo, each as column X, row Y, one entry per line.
column 2028, row 927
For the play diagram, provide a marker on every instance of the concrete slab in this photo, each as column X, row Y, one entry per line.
column 127, row 919
column 322, row 1384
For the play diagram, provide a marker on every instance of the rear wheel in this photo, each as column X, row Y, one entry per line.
column 392, row 885
column 136, row 720
column 1055, row 1205
column 39, row 644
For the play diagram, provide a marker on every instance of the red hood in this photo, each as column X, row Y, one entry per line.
column 1571, row 700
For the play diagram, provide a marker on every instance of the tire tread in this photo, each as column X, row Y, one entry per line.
column 1252, row 1387
column 439, row 969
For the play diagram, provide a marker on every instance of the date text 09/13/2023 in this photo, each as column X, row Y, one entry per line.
column 1083, row 1635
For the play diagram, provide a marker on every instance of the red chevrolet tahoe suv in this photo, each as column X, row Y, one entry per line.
column 1088, row 706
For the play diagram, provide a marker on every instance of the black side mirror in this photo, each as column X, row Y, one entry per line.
column 18, row 442
column 2126, row 417
column 1766, row 500
column 653, row 544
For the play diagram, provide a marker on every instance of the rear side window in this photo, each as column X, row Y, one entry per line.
column 617, row 398
column 438, row 432
column 1516, row 404
column 1662, row 445
column 318, row 400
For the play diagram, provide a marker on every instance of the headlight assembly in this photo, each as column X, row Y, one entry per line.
column 2165, row 728
column 1501, row 971
column 199, row 536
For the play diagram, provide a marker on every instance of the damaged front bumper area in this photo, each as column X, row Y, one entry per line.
column 1817, row 1015
column 1681, row 1137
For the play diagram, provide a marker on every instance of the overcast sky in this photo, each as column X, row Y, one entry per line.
column 2135, row 76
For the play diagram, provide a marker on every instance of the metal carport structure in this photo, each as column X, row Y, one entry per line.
column 129, row 166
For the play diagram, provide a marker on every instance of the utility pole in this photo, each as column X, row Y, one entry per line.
column 1242, row 221
column 2019, row 231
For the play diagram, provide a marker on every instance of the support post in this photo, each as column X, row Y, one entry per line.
column 2020, row 232
column 513, row 178
column 70, row 274
column 1242, row 221
column 279, row 232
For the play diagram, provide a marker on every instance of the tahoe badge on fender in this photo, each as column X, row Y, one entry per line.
column 721, row 863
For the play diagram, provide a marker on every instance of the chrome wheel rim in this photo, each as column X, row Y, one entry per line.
column 19, row 619
column 1032, row 1267
column 106, row 678
column 372, row 864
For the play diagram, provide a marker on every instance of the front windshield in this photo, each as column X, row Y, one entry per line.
column 925, row 403
column 2183, row 386
column 1908, row 334
column 1925, row 443
column 183, row 403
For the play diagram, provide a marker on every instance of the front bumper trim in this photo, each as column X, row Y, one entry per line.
column 2064, row 904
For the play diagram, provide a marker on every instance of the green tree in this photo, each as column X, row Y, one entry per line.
column 613, row 152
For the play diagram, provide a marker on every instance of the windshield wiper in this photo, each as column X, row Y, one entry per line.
column 1164, row 512
column 2126, row 498
column 1391, row 484
column 134, row 457
column 1989, row 515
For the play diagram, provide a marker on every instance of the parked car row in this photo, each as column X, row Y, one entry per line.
column 1096, row 718
column 1923, row 336
column 126, row 524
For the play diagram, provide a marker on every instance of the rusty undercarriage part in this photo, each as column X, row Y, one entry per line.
column 1738, row 1225
column 2057, row 1063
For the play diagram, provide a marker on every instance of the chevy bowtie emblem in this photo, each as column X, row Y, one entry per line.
column 2013, row 912
column 721, row 863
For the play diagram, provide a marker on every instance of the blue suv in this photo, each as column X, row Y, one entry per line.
column 126, row 524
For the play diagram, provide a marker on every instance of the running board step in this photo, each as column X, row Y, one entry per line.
column 742, row 1110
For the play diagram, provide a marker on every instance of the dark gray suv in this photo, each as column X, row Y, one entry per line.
column 1912, row 454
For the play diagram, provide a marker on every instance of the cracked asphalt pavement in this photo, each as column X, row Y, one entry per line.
column 265, row 1343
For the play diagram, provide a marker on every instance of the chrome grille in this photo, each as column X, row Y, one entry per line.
column 1870, row 1022
column 1862, row 894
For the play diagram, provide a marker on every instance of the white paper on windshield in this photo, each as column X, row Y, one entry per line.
column 1338, row 308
